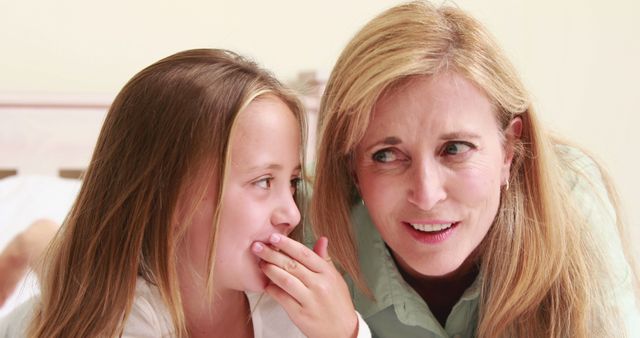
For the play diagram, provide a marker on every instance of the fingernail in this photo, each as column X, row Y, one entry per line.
column 275, row 238
column 257, row 247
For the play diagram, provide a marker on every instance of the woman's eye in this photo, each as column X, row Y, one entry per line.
column 384, row 156
column 264, row 183
column 456, row 148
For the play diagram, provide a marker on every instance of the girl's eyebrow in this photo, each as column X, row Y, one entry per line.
column 271, row 166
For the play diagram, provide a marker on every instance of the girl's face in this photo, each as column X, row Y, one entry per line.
column 429, row 169
column 258, row 198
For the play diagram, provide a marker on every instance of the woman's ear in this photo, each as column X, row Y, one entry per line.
column 352, row 170
column 512, row 135
column 514, row 129
column 356, row 184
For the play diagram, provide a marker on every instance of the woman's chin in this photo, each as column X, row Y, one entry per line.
column 433, row 267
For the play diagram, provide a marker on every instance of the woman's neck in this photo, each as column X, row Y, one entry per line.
column 441, row 293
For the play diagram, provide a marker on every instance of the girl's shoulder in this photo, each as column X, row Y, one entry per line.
column 149, row 316
column 16, row 322
column 270, row 320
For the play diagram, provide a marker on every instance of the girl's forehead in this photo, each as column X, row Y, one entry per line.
column 267, row 135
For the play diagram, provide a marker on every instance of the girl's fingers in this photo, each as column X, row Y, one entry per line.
column 283, row 298
column 288, row 283
column 298, row 252
column 321, row 248
column 284, row 262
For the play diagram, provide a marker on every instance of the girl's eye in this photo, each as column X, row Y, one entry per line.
column 295, row 184
column 264, row 183
column 456, row 148
column 384, row 156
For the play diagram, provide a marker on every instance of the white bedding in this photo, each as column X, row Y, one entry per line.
column 24, row 199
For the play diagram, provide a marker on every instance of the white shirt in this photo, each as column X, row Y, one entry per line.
column 149, row 317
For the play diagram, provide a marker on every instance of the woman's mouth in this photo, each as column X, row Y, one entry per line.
column 431, row 227
column 432, row 232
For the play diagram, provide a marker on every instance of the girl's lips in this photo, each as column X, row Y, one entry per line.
column 431, row 237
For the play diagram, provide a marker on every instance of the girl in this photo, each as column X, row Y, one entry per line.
column 199, row 159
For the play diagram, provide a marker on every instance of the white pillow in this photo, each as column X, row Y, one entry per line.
column 23, row 200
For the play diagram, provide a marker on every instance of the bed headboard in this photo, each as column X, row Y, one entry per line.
column 54, row 134
column 49, row 134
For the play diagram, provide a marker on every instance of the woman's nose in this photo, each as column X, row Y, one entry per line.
column 426, row 186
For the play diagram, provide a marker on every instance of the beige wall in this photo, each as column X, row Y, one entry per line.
column 578, row 57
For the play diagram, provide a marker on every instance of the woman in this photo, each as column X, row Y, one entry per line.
column 448, row 204
column 195, row 172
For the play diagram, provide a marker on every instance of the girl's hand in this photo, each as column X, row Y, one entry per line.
column 308, row 286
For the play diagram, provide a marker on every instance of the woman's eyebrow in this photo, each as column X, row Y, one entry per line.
column 456, row 135
column 389, row 140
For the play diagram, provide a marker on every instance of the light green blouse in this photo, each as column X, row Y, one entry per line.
column 398, row 311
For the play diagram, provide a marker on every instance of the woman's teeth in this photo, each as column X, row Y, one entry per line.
column 431, row 227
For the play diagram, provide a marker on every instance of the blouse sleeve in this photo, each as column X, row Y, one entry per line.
column 592, row 198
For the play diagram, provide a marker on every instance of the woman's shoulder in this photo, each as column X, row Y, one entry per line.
column 591, row 194
column 589, row 191
column 149, row 316
column 578, row 161
column 588, row 184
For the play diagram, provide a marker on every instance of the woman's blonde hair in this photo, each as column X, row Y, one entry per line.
column 541, row 268
column 168, row 126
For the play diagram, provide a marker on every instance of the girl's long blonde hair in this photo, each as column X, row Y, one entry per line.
column 169, row 125
column 544, row 272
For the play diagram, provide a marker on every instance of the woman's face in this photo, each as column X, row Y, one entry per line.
column 258, row 198
column 429, row 169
